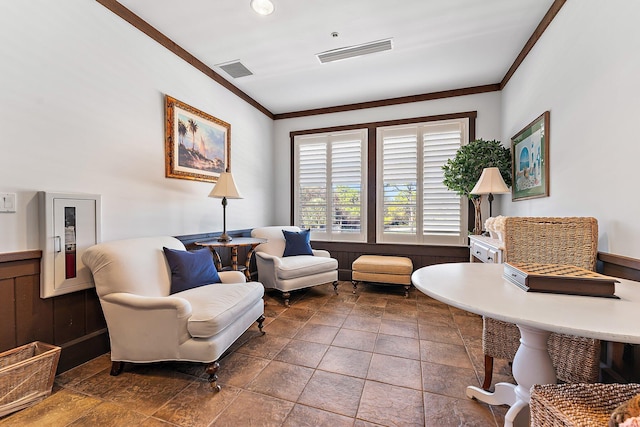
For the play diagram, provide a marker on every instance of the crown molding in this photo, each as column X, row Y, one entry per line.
column 133, row 19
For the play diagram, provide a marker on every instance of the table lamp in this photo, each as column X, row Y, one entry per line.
column 225, row 188
column 490, row 183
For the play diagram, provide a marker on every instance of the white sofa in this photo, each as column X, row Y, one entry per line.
column 147, row 324
column 292, row 272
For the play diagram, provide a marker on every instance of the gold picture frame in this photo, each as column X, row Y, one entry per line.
column 197, row 145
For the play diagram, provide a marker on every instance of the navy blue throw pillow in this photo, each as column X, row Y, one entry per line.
column 297, row 243
column 190, row 269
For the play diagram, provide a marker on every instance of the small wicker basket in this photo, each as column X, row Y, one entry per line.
column 26, row 375
column 577, row 405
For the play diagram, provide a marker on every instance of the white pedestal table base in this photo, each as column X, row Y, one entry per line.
column 532, row 365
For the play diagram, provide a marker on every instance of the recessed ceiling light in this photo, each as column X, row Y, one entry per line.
column 262, row 7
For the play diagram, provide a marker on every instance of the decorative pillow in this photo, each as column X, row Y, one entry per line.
column 297, row 243
column 190, row 269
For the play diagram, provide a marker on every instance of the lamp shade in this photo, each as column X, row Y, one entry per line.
column 225, row 187
column 490, row 182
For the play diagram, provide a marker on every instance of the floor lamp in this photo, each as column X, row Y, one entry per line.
column 490, row 183
column 225, row 189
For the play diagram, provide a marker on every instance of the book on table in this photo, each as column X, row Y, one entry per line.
column 559, row 278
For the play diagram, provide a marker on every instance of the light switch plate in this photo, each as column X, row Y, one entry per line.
column 8, row 202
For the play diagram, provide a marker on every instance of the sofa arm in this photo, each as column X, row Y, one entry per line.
column 269, row 258
column 321, row 252
column 232, row 277
column 267, row 265
column 139, row 302
column 146, row 329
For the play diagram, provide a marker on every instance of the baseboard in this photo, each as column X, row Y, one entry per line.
column 83, row 349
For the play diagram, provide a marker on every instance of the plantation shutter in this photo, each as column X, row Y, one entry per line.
column 346, row 184
column 441, row 208
column 399, row 181
column 329, row 187
column 414, row 206
column 312, row 184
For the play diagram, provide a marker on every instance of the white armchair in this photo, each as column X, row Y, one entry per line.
column 147, row 324
column 289, row 273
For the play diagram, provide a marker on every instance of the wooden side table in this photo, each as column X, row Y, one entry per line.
column 234, row 245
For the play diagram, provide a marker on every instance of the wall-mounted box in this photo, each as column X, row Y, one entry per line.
column 69, row 224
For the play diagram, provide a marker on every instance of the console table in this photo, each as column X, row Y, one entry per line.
column 234, row 245
column 485, row 249
column 481, row 289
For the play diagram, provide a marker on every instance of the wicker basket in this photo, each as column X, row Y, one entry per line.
column 26, row 375
column 577, row 405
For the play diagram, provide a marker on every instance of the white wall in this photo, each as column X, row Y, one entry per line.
column 82, row 110
column 487, row 127
column 585, row 71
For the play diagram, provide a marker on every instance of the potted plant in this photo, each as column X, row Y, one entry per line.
column 463, row 171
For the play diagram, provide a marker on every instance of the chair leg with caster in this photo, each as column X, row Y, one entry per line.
column 212, row 370
column 286, row 296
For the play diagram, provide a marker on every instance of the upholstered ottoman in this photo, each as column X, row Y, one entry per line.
column 393, row 270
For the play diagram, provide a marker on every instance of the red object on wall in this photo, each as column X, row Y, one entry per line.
column 70, row 265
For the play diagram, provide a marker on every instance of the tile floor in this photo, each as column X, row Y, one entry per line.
column 372, row 359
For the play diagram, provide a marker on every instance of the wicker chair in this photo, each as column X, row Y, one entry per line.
column 577, row 405
column 565, row 240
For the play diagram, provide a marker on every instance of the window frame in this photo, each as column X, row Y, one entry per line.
column 371, row 195
column 331, row 138
column 419, row 130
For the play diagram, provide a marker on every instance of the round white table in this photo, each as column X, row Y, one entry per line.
column 481, row 289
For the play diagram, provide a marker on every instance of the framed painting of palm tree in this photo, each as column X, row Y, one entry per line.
column 197, row 145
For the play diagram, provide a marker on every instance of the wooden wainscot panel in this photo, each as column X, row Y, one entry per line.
column 619, row 266
column 420, row 255
column 24, row 317
column 7, row 315
column 69, row 316
column 95, row 322
column 622, row 361
column 73, row 321
column 34, row 316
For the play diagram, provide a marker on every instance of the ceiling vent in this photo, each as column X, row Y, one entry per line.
column 353, row 51
column 235, row 69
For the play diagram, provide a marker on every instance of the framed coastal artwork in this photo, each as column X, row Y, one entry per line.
column 197, row 145
column 530, row 160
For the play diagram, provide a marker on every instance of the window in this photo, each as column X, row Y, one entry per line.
column 414, row 206
column 405, row 196
column 330, row 185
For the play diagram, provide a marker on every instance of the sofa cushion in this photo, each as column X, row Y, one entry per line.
column 213, row 310
column 305, row 265
column 190, row 269
column 297, row 243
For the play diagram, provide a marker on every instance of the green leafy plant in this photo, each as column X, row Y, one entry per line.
column 461, row 173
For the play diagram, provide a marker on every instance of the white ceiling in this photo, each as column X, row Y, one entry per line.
column 438, row 44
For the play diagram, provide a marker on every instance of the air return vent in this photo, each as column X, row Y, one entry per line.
column 235, row 69
column 353, row 51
